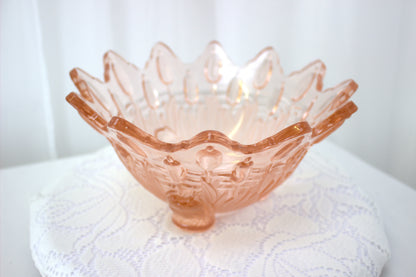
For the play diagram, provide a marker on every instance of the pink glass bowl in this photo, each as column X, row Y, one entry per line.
column 210, row 137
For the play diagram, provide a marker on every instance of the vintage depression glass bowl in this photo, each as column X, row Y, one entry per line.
column 210, row 137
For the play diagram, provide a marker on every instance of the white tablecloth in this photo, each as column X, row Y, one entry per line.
column 98, row 221
column 396, row 201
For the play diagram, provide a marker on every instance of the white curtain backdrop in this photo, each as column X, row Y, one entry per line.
column 372, row 42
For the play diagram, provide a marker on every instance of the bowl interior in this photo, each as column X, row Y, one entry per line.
column 175, row 101
column 246, row 123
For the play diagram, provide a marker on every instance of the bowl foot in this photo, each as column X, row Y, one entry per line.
column 196, row 224
column 190, row 214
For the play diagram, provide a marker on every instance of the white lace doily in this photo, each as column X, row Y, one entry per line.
column 98, row 221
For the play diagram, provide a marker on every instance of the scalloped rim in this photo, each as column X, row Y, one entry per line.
column 119, row 124
column 209, row 136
